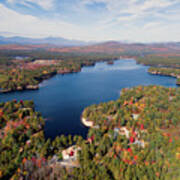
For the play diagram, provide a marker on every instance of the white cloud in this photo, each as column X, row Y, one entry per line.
column 11, row 1
column 116, row 7
column 29, row 25
column 45, row 4
column 124, row 20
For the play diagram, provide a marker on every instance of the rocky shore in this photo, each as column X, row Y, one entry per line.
column 19, row 88
column 67, row 71
column 165, row 74
column 5, row 90
column 32, row 87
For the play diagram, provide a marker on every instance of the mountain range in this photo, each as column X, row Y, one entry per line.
column 58, row 44
column 57, row 41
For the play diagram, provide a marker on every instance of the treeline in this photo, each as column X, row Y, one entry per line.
column 25, row 75
column 23, row 148
column 137, row 136
column 160, row 60
column 44, row 54
column 21, row 74
column 12, row 79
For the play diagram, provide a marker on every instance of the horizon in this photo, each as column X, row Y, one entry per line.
column 143, row 21
column 86, row 41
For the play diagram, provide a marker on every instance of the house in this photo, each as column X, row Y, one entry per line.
column 140, row 143
column 116, row 132
column 71, row 153
column 122, row 131
column 135, row 116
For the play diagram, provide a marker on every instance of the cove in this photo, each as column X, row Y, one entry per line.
column 62, row 98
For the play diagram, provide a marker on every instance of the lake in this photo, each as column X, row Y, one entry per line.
column 62, row 98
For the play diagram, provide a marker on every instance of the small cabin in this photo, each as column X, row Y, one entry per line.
column 70, row 153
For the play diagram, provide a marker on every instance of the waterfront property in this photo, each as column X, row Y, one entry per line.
column 61, row 99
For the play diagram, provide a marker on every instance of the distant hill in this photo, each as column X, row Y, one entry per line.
column 122, row 47
column 58, row 44
column 58, row 41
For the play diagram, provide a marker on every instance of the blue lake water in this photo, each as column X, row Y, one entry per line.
column 62, row 98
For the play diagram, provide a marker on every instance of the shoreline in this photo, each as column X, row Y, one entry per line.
column 65, row 72
column 157, row 73
column 36, row 87
column 86, row 123
column 28, row 87
column 41, row 79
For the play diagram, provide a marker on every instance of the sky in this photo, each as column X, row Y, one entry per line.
column 92, row 20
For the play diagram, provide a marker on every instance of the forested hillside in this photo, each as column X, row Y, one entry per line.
column 135, row 137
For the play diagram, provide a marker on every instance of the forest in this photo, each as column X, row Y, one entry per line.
column 134, row 137
column 160, row 60
column 18, row 75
